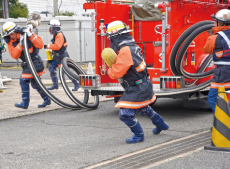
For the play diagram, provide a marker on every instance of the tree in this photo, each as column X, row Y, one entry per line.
column 17, row 9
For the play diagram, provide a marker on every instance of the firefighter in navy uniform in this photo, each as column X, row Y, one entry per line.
column 58, row 46
column 13, row 36
column 218, row 44
column 138, row 93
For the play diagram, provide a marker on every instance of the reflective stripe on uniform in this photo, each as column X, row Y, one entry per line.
column 19, row 47
column 219, row 54
column 217, row 85
column 141, row 67
column 30, row 76
column 221, row 63
column 225, row 38
column 135, row 105
column 30, row 49
column 34, row 38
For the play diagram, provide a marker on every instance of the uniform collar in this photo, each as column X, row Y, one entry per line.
column 220, row 28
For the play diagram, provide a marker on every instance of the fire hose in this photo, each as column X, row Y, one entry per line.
column 69, row 63
column 177, row 56
column 75, row 67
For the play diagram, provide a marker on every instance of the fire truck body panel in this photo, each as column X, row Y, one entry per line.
column 181, row 14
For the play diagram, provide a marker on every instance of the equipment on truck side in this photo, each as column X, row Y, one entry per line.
column 171, row 36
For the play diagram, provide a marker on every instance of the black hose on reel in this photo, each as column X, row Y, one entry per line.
column 179, row 42
column 176, row 59
column 183, row 50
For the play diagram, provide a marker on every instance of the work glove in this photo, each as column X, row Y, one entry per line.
column 21, row 39
column 28, row 30
column 30, row 26
column 34, row 23
column 45, row 46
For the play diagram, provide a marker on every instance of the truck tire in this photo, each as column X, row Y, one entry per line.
column 116, row 99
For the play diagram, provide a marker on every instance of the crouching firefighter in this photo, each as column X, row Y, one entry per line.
column 218, row 45
column 138, row 93
column 58, row 46
column 13, row 36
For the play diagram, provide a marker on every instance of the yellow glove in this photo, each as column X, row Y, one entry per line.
column 109, row 56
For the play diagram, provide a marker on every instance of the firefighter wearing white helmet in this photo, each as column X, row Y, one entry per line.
column 58, row 46
column 8, row 28
column 138, row 94
column 218, row 46
column 13, row 36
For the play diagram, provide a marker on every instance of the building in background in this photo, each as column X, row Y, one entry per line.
column 77, row 30
column 44, row 6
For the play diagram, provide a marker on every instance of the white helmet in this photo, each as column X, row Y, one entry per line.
column 222, row 15
column 54, row 23
column 116, row 28
column 8, row 28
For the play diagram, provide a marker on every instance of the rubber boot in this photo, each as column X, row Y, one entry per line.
column 138, row 135
column 25, row 101
column 55, row 83
column 76, row 85
column 46, row 99
column 25, row 94
column 158, row 121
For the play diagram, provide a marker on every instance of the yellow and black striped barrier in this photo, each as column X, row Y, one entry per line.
column 221, row 124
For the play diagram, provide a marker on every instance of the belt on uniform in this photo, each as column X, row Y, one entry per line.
column 136, row 82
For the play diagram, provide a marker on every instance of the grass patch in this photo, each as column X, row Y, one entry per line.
column 11, row 67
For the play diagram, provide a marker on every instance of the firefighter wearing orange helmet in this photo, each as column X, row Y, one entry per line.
column 58, row 46
column 138, row 94
column 13, row 36
column 218, row 44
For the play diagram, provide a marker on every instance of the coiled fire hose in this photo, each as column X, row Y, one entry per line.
column 69, row 63
column 177, row 56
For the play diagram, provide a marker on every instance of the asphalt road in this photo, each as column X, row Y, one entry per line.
column 65, row 138
column 80, row 138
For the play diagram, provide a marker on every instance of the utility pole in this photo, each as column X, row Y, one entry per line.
column 5, row 9
column 55, row 4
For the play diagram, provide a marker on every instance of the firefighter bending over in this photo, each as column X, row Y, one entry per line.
column 13, row 36
column 218, row 45
column 58, row 46
column 138, row 93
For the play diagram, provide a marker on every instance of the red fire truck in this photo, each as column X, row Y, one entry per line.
column 172, row 35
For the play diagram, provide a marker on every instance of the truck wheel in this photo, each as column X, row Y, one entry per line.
column 116, row 99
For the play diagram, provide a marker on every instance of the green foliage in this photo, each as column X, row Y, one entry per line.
column 17, row 9
column 66, row 13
